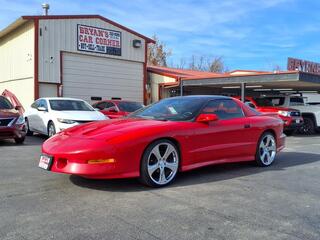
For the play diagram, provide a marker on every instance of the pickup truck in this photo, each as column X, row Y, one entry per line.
column 310, row 113
column 292, row 118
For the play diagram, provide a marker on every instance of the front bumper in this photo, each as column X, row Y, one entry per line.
column 16, row 131
column 293, row 123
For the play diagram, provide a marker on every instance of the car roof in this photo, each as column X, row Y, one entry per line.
column 208, row 97
column 61, row 98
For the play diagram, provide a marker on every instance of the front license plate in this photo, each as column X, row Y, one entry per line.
column 297, row 120
column 45, row 162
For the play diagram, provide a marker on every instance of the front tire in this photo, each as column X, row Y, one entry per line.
column 29, row 133
column 308, row 127
column 51, row 129
column 266, row 150
column 19, row 140
column 159, row 164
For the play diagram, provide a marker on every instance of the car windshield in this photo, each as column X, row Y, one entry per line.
column 4, row 103
column 129, row 106
column 70, row 105
column 269, row 101
column 173, row 109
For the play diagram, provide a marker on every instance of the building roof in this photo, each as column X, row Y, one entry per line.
column 20, row 21
column 186, row 74
column 181, row 73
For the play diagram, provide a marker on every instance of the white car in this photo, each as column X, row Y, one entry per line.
column 51, row 115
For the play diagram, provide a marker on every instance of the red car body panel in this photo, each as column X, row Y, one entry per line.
column 125, row 140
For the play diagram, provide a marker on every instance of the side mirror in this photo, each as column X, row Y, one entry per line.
column 41, row 109
column 206, row 118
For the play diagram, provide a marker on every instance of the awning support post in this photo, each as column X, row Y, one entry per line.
column 243, row 92
column 181, row 87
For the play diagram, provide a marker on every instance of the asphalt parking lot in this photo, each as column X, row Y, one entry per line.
column 233, row 201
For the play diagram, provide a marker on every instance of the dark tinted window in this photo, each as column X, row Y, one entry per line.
column 270, row 101
column 129, row 106
column 296, row 101
column 104, row 105
column 224, row 109
column 4, row 103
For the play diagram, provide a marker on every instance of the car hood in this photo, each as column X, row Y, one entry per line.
column 80, row 115
column 9, row 113
column 115, row 127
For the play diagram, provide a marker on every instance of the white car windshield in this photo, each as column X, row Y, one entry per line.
column 70, row 105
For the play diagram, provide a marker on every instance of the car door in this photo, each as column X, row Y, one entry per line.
column 226, row 139
column 43, row 117
column 31, row 114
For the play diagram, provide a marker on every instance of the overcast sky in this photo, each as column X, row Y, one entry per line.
column 252, row 34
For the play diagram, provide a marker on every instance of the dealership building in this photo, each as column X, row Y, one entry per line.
column 84, row 56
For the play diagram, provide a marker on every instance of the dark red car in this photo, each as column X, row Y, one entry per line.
column 12, row 125
column 117, row 108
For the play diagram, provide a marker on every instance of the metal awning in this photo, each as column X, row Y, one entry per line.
column 296, row 81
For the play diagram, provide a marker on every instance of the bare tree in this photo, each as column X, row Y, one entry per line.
column 158, row 53
column 205, row 63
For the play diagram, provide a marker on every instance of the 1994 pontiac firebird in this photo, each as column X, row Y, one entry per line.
column 156, row 142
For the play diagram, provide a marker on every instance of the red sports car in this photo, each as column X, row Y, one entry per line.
column 117, row 108
column 155, row 143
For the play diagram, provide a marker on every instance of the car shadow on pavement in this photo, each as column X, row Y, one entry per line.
column 214, row 173
column 30, row 141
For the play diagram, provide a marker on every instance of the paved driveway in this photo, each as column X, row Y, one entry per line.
column 233, row 201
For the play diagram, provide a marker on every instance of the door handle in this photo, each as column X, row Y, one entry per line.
column 247, row 126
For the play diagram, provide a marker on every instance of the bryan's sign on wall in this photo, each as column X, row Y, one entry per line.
column 303, row 65
column 99, row 40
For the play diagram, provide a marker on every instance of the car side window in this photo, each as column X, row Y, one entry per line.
column 104, row 105
column 35, row 104
column 224, row 109
column 43, row 103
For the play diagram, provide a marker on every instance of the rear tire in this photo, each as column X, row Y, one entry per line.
column 308, row 127
column 19, row 140
column 29, row 133
column 266, row 150
column 51, row 129
column 159, row 163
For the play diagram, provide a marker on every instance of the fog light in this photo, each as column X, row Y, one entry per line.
column 99, row 161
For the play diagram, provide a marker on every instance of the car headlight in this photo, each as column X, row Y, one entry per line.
column 67, row 121
column 284, row 113
column 20, row 120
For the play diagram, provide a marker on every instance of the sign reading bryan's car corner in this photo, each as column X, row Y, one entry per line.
column 99, row 40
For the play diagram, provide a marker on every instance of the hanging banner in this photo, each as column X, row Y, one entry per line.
column 99, row 40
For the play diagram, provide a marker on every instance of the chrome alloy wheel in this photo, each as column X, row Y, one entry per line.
column 267, row 149
column 163, row 163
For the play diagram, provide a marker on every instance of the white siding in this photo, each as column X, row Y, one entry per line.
column 85, row 76
column 61, row 35
column 47, row 90
column 155, row 80
column 17, row 63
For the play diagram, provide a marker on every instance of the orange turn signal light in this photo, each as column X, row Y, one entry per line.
column 100, row 161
